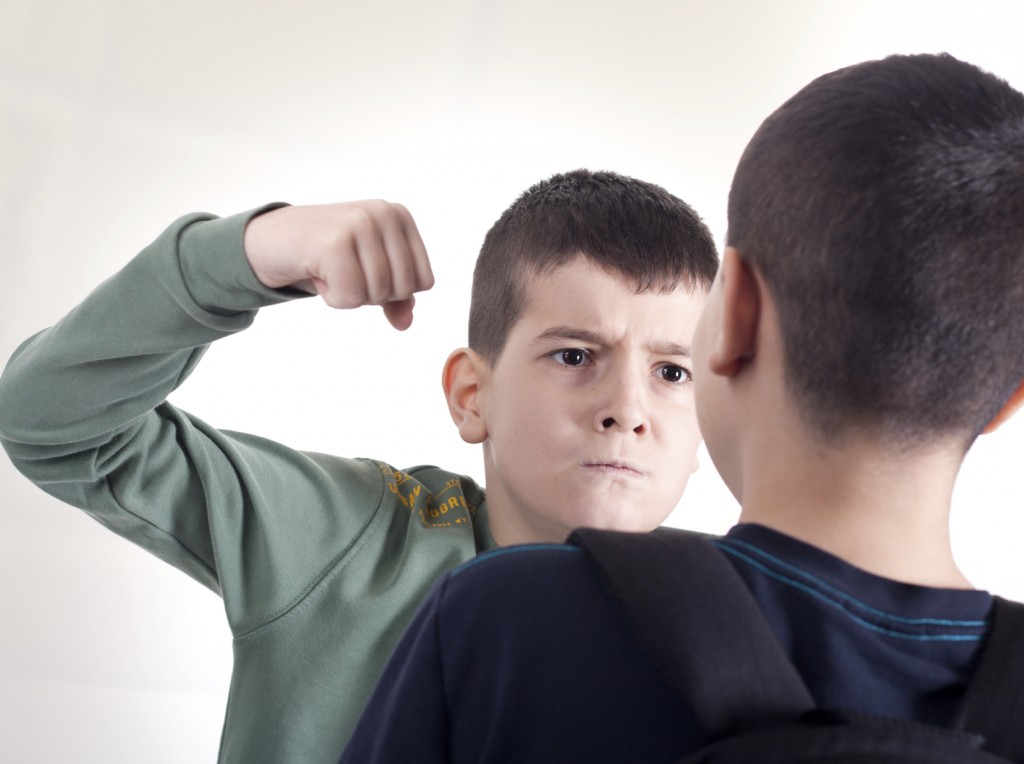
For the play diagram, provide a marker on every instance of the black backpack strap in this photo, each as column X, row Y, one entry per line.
column 694, row 614
column 993, row 705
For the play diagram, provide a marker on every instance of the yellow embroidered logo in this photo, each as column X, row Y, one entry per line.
column 445, row 510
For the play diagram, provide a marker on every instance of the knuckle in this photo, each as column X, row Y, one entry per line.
column 379, row 290
column 403, row 290
column 359, row 219
column 392, row 213
column 376, row 207
column 335, row 242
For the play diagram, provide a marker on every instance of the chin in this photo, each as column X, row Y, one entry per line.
column 613, row 520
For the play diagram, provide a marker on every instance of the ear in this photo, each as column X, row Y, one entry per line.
column 1008, row 409
column 464, row 373
column 739, row 312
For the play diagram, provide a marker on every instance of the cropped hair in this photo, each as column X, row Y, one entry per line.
column 633, row 229
column 883, row 205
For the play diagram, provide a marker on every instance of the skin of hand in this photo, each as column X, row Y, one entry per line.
column 351, row 254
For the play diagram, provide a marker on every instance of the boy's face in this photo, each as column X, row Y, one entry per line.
column 589, row 410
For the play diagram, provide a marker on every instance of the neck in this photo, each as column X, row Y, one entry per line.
column 885, row 512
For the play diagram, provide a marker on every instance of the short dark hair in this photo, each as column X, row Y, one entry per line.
column 629, row 227
column 884, row 206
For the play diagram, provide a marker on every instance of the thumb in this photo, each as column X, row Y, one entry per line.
column 399, row 313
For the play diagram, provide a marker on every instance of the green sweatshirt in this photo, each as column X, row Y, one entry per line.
column 320, row 560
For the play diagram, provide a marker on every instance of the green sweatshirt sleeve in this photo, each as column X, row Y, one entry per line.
column 83, row 415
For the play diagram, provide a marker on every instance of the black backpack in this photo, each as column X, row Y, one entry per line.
column 691, row 610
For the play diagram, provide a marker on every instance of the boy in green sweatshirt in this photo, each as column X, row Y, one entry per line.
column 576, row 382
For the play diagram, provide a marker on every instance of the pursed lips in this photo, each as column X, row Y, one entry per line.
column 612, row 467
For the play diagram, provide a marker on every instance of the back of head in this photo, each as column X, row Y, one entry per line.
column 884, row 206
column 631, row 228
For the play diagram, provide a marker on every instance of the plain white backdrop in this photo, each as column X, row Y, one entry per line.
column 117, row 116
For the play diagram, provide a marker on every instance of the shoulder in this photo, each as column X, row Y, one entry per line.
column 538, row 559
column 507, row 604
column 537, row 623
column 441, row 481
column 550, row 583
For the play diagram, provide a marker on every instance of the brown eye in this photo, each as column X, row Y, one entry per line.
column 672, row 373
column 573, row 357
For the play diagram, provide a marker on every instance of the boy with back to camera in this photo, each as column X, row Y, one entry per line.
column 864, row 327
column 576, row 383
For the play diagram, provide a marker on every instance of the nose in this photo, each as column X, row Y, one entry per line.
column 622, row 405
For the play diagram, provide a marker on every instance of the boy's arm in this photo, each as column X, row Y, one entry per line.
column 83, row 411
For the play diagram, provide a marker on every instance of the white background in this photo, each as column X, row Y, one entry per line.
column 116, row 116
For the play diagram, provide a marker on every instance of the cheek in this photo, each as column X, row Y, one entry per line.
column 686, row 451
column 532, row 426
column 680, row 408
column 550, row 407
column 683, row 432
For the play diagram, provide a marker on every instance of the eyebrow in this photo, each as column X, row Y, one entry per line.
column 594, row 338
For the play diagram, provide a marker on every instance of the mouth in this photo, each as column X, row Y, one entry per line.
column 621, row 469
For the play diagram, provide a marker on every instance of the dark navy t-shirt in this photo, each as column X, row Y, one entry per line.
column 521, row 656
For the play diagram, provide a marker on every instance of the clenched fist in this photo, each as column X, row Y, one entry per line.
column 351, row 254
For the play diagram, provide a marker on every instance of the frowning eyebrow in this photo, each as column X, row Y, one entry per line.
column 594, row 338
